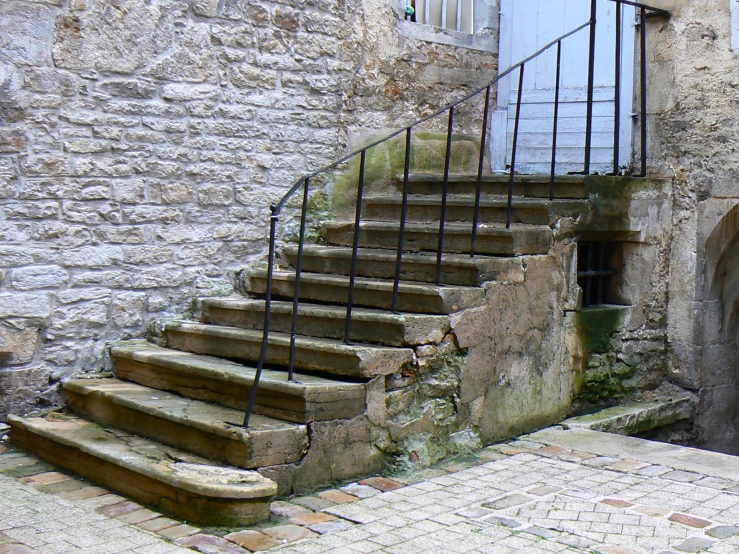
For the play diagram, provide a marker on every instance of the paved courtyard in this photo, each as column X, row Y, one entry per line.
column 553, row 491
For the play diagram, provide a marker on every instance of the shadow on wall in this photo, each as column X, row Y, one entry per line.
column 718, row 410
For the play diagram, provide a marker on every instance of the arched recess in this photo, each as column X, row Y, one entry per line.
column 718, row 410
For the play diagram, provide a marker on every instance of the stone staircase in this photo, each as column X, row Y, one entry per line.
column 166, row 430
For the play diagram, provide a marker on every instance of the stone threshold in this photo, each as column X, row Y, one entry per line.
column 635, row 417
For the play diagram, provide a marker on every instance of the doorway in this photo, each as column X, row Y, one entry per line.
column 525, row 27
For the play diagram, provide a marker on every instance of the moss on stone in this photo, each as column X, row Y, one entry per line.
column 596, row 326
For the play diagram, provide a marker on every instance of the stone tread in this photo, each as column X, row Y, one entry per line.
column 374, row 293
column 311, row 354
column 456, row 269
column 320, row 396
column 98, row 399
column 175, row 468
column 468, row 200
column 492, row 238
column 315, row 320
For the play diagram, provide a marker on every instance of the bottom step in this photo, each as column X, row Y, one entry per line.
column 179, row 483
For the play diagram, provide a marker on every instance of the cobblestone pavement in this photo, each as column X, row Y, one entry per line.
column 555, row 491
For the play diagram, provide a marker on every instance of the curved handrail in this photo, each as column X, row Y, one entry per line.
column 304, row 181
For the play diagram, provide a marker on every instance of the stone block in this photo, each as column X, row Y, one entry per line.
column 127, row 309
column 193, row 61
column 51, row 81
column 13, row 140
column 127, row 88
column 24, row 33
column 93, row 256
column 116, row 40
column 28, row 305
column 247, row 76
column 39, row 277
column 17, row 345
column 177, row 92
column 206, row 8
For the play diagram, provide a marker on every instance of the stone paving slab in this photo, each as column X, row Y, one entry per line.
column 552, row 491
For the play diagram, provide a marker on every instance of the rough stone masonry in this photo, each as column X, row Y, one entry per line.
column 142, row 141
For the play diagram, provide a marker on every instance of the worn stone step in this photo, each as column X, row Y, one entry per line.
column 461, row 208
column 535, row 186
column 492, row 238
column 369, row 326
column 184, row 485
column 308, row 398
column 369, row 293
column 209, row 430
column 311, row 354
column 456, row 269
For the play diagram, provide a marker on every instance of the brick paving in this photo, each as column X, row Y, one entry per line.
column 522, row 496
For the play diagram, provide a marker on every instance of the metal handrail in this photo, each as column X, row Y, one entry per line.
column 304, row 181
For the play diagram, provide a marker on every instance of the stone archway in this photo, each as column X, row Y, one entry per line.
column 718, row 411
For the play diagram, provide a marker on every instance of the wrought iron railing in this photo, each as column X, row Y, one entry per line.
column 305, row 182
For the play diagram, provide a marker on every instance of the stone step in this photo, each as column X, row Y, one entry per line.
column 182, row 484
column 534, row 186
column 209, row 430
column 369, row 293
column 308, row 398
column 311, row 354
column 368, row 326
column 456, row 269
column 461, row 208
column 492, row 239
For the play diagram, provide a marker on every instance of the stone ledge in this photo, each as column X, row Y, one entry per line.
column 635, row 417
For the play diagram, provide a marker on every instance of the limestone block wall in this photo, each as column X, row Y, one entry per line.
column 694, row 78
column 142, row 141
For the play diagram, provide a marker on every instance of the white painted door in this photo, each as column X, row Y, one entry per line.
column 525, row 27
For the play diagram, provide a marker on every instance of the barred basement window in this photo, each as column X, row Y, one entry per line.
column 596, row 269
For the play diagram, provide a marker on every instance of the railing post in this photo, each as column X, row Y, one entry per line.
column 355, row 246
column 298, row 271
column 267, row 312
column 403, row 216
column 643, row 85
column 509, row 212
column 480, row 168
column 556, row 120
column 444, row 195
column 591, row 87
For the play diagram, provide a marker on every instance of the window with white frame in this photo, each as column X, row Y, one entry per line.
column 464, row 23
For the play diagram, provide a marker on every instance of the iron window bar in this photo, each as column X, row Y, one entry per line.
column 304, row 182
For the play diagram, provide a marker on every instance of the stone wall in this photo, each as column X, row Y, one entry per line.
column 694, row 79
column 141, row 142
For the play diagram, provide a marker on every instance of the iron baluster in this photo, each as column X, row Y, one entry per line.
column 591, row 87
column 444, row 194
column 643, row 86
column 617, row 108
column 298, row 271
column 403, row 216
column 355, row 246
column 267, row 312
column 480, row 168
column 509, row 212
column 601, row 267
column 556, row 120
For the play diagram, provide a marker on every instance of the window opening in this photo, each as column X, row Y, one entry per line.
column 595, row 271
column 456, row 15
